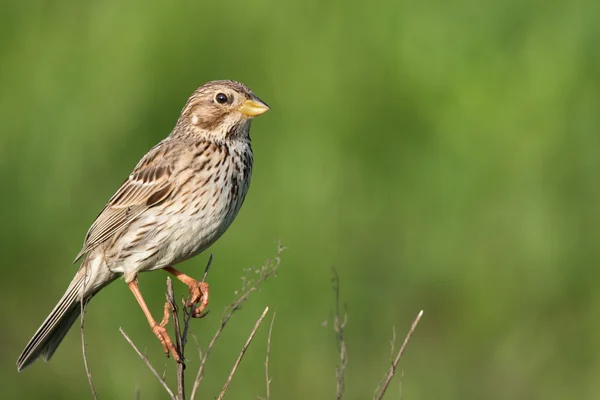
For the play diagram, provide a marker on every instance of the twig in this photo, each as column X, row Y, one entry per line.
column 187, row 314
column 198, row 346
column 267, row 270
column 267, row 358
column 178, row 341
column 339, row 326
column 392, row 370
column 145, row 360
column 208, row 264
column 82, row 303
column 85, row 361
column 164, row 374
column 239, row 359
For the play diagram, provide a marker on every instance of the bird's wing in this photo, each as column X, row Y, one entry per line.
column 150, row 183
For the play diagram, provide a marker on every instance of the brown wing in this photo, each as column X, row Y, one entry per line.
column 149, row 184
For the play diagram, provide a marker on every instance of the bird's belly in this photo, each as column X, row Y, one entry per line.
column 189, row 236
column 194, row 236
column 178, row 235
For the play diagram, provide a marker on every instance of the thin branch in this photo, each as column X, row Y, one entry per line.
column 239, row 359
column 164, row 374
column 267, row 358
column 83, row 303
column 85, row 361
column 267, row 270
column 178, row 341
column 145, row 360
column 208, row 264
column 392, row 370
column 197, row 346
column 187, row 314
column 339, row 326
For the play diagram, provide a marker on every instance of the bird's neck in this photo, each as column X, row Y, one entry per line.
column 225, row 133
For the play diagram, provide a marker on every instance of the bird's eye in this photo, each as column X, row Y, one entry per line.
column 221, row 98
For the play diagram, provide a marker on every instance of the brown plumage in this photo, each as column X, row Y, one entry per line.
column 180, row 198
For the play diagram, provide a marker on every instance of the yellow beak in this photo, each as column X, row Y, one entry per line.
column 253, row 108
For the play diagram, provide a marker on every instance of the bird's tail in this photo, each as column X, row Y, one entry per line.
column 47, row 338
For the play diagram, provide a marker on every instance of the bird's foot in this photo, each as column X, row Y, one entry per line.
column 161, row 333
column 165, row 340
column 198, row 294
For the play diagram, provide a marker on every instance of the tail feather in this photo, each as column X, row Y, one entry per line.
column 47, row 338
column 61, row 330
column 91, row 277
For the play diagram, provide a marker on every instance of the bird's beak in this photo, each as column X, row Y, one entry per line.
column 253, row 107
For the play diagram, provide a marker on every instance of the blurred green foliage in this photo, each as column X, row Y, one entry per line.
column 440, row 155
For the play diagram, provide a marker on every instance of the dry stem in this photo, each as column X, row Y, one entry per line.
column 178, row 340
column 267, row 270
column 82, row 303
column 268, row 394
column 239, row 359
column 392, row 370
column 339, row 326
column 145, row 360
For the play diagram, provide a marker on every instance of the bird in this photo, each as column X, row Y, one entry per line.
column 179, row 199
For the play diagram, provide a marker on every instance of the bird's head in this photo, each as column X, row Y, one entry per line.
column 220, row 110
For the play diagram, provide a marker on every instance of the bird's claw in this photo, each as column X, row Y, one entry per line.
column 198, row 294
column 161, row 333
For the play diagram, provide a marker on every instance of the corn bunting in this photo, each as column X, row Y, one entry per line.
column 179, row 199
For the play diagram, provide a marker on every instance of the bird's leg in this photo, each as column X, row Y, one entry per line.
column 198, row 291
column 158, row 329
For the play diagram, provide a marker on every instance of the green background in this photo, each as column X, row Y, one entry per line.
column 440, row 155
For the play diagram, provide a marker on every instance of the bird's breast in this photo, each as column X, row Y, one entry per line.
column 213, row 200
column 206, row 200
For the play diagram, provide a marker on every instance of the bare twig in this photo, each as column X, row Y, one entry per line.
column 178, row 341
column 198, row 346
column 392, row 370
column 164, row 374
column 85, row 361
column 339, row 326
column 239, row 359
column 268, row 269
column 145, row 360
column 267, row 358
column 208, row 264
column 187, row 313
column 83, row 303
